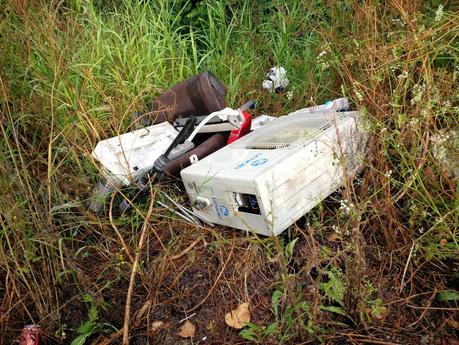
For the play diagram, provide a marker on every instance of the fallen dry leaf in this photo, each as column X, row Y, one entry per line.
column 157, row 325
column 453, row 323
column 187, row 330
column 334, row 237
column 239, row 317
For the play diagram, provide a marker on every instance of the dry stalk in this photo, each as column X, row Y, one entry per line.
column 135, row 265
column 123, row 244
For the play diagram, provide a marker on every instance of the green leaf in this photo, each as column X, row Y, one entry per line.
column 333, row 309
column 275, row 301
column 80, row 340
column 271, row 329
column 289, row 249
column 334, row 287
column 88, row 298
column 87, row 327
column 247, row 334
column 447, row 295
column 93, row 314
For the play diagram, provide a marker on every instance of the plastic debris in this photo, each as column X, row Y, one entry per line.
column 30, row 335
column 339, row 104
column 183, row 134
column 261, row 120
column 276, row 80
column 258, row 175
column 270, row 178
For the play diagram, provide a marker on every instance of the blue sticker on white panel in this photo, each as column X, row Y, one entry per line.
column 254, row 161
column 258, row 162
column 223, row 211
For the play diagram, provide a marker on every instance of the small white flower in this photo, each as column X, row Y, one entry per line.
column 346, row 207
column 336, row 229
column 403, row 75
column 289, row 95
column 439, row 13
column 322, row 53
column 388, row 173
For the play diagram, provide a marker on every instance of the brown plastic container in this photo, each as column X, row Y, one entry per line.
column 199, row 95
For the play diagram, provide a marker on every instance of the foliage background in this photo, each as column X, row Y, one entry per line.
column 376, row 262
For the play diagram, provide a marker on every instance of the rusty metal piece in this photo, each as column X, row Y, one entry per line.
column 199, row 95
column 210, row 145
column 30, row 335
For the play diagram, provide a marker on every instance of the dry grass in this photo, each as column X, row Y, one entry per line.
column 374, row 271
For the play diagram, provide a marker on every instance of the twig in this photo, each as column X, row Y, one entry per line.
column 425, row 309
column 213, row 285
column 186, row 250
column 143, row 236
column 186, row 318
column 123, row 244
column 432, row 308
column 402, row 282
column 366, row 339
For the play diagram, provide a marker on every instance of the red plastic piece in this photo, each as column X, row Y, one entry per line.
column 241, row 131
column 30, row 335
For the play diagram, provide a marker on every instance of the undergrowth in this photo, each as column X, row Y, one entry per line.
column 376, row 262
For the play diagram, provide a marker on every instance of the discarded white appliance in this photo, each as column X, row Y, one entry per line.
column 127, row 157
column 268, row 179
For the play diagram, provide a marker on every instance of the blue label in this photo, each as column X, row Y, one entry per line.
column 254, row 161
column 223, row 211
column 259, row 162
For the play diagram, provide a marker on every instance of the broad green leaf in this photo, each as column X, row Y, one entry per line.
column 333, row 309
column 80, row 340
column 93, row 314
column 289, row 249
column 448, row 295
column 86, row 327
column 275, row 302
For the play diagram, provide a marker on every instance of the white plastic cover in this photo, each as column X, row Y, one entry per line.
column 126, row 157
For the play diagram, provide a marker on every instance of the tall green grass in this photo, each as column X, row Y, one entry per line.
column 71, row 73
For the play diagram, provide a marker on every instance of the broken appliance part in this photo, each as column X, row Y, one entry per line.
column 201, row 94
column 271, row 177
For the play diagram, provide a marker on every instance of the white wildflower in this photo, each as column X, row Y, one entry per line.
column 322, row 53
column 439, row 13
column 403, row 75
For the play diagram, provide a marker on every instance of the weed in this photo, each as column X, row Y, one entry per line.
column 91, row 325
column 71, row 72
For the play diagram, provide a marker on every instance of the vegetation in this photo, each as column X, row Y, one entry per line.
column 375, row 263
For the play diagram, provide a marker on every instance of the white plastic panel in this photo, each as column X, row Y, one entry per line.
column 129, row 155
